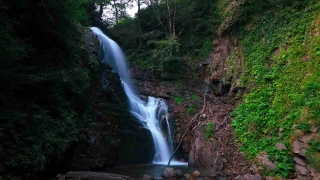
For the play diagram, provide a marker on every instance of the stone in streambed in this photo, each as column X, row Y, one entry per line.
column 194, row 175
column 169, row 173
column 186, row 176
column 179, row 173
column 147, row 177
column 61, row 177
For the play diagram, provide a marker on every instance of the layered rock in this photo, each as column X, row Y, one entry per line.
column 101, row 149
column 219, row 152
column 299, row 147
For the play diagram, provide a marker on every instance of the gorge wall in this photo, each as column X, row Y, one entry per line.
column 260, row 85
column 219, row 152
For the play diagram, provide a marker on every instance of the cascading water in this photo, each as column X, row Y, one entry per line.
column 149, row 113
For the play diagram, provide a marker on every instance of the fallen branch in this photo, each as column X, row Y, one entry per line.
column 245, row 167
column 189, row 127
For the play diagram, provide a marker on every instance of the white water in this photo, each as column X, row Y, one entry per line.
column 149, row 113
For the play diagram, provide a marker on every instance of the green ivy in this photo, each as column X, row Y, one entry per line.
column 304, row 127
column 178, row 99
column 208, row 133
column 281, row 72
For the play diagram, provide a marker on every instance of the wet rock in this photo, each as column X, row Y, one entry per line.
column 280, row 146
column 169, row 173
column 85, row 175
column 179, row 173
column 60, row 177
column 194, row 175
column 147, row 177
column 187, row 176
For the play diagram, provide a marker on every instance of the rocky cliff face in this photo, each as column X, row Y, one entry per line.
column 220, row 94
column 152, row 84
column 100, row 150
column 220, row 151
column 114, row 137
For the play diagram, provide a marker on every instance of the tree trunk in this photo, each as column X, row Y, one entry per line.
column 116, row 11
column 101, row 11
column 139, row 23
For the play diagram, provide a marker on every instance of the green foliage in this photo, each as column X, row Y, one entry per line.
column 281, row 69
column 178, row 99
column 313, row 154
column 208, row 133
column 149, row 44
column 43, row 103
column 285, row 163
column 191, row 110
column 206, row 47
column 163, row 56
column 304, row 127
column 194, row 97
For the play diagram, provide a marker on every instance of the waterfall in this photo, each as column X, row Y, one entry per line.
column 148, row 113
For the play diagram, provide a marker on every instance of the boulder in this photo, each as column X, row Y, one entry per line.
column 147, row 177
column 169, row 173
column 61, row 177
column 300, row 161
column 263, row 159
column 179, row 173
column 314, row 129
column 85, row 175
column 301, row 170
column 194, row 175
column 186, row 176
column 280, row 146
column 306, row 138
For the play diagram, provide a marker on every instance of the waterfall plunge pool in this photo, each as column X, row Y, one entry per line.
column 155, row 170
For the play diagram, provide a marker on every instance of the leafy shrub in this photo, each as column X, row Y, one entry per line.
column 43, row 106
column 208, row 133
column 191, row 110
column 313, row 154
column 281, row 67
column 304, row 127
column 194, row 97
column 178, row 99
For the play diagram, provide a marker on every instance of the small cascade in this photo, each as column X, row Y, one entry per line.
column 149, row 112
